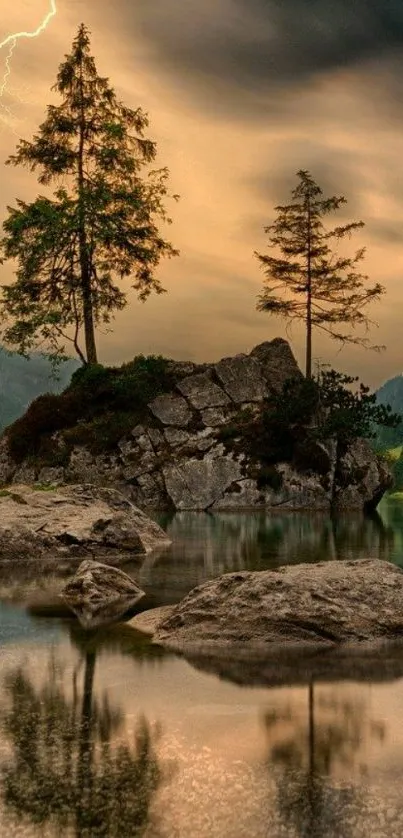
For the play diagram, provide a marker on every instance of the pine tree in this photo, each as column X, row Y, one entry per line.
column 310, row 281
column 101, row 224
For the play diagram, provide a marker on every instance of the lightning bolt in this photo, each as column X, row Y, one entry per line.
column 11, row 42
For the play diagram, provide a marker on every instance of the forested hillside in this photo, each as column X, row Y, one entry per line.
column 389, row 441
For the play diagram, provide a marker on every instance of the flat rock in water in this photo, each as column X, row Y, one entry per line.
column 100, row 594
column 73, row 522
column 306, row 605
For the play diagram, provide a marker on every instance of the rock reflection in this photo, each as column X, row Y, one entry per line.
column 311, row 759
column 65, row 766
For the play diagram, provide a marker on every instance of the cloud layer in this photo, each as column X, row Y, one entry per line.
column 241, row 94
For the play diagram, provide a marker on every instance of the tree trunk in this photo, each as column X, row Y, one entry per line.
column 90, row 346
column 308, row 368
column 88, row 313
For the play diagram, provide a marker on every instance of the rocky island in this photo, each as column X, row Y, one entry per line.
column 169, row 435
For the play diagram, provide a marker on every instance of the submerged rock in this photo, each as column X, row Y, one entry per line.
column 326, row 605
column 71, row 523
column 99, row 594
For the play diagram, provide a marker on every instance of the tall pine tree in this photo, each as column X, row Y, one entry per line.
column 310, row 281
column 101, row 224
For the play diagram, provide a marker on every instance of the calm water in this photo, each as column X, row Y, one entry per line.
column 108, row 736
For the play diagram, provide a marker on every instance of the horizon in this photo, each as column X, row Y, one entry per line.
column 240, row 96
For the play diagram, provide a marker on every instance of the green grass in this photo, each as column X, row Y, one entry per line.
column 393, row 454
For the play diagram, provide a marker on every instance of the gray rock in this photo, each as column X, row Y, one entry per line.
column 241, row 378
column 144, row 442
column 99, row 594
column 142, row 464
column 361, row 478
column 325, row 604
column 24, row 474
column 73, row 523
column 213, row 416
column 243, row 494
column 156, row 437
column 176, row 437
column 199, row 441
column 197, row 484
column 277, row 362
column 138, row 430
column 153, row 491
column 180, row 369
column 52, row 476
column 171, row 410
column 298, row 490
column 202, row 392
column 98, row 469
column 7, row 465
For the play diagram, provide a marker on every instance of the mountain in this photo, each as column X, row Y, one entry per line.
column 22, row 380
column 391, row 392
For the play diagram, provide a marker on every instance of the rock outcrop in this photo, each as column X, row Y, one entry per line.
column 99, row 594
column 72, row 523
column 176, row 456
column 308, row 605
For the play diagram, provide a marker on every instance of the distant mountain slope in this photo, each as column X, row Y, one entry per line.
column 22, row 380
column 391, row 393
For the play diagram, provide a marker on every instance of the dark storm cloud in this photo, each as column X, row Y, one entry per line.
column 253, row 47
column 333, row 170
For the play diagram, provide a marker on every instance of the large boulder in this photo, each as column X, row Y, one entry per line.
column 99, row 594
column 276, row 362
column 308, row 605
column 242, row 378
column 197, row 484
column 361, row 478
column 71, row 523
column 202, row 392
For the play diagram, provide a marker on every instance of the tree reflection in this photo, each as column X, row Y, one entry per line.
column 65, row 769
column 306, row 756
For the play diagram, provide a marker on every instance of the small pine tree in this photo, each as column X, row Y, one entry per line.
column 309, row 281
column 101, row 223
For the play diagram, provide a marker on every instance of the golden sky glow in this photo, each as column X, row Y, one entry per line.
column 239, row 98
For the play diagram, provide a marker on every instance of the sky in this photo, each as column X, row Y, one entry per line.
column 240, row 94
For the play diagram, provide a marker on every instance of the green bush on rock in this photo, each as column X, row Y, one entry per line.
column 291, row 426
column 100, row 405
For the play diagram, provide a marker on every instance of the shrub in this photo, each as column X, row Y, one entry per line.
column 100, row 405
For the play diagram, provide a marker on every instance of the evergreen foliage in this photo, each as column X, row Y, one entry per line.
column 101, row 223
column 290, row 424
column 310, row 281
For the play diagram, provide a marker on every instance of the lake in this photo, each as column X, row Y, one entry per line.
column 106, row 735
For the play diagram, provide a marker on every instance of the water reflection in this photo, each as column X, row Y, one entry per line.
column 83, row 756
column 308, row 754
column 66, row 766
column 207, row 545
